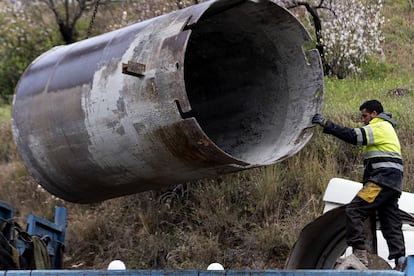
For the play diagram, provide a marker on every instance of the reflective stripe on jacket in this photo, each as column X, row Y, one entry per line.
column 383, row 163
column 379, row 139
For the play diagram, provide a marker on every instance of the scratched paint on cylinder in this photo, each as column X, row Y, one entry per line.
column 211, row 95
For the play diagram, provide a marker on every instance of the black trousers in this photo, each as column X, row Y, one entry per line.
column 386, row 205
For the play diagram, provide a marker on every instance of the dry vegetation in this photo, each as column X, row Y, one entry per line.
column 244, row 220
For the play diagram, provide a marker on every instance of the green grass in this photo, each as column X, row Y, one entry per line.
column 5, row 113
column 345, row 96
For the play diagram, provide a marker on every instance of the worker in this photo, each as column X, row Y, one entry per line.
column 382, row 179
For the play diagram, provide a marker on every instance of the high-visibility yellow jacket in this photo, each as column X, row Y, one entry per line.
column 383, row 162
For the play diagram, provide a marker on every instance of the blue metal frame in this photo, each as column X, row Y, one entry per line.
column 6, row 211
column 205, row 273
column 409, row 271
column 6, row 214
column 54, row 232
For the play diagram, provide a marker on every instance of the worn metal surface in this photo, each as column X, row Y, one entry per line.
column 322, row 242
column 244, row 272
column 215, row 88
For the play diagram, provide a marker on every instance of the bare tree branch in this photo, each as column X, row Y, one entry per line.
column 67, row 15
column 313, row 11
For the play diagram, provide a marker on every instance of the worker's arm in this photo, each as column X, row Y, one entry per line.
column 346, row 134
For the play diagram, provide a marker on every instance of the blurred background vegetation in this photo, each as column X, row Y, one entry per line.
column 244, row 220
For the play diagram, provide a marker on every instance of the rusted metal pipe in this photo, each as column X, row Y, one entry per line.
column 215, row 88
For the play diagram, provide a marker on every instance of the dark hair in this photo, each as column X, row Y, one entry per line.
column 371, row 106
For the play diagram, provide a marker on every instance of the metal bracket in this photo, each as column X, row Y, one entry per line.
column 133, row 68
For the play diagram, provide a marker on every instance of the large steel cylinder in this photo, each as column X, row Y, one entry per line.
column 215, row 88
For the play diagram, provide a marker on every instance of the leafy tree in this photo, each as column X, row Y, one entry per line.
column 21, row 41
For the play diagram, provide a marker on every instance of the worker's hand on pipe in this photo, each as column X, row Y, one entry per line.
column 319, row 119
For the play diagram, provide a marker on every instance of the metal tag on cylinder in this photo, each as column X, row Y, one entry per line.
column 215, row 88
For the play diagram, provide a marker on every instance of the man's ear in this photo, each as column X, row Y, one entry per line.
column 374, row 114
